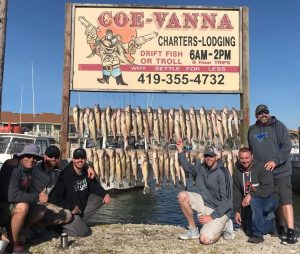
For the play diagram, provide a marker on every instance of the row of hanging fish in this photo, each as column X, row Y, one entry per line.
column 160, row 126
column 114, row 167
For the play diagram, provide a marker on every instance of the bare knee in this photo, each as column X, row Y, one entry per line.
column 183, row 197
column 21, row 209
column 205, row 240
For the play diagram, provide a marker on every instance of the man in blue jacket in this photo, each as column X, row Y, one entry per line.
column 81, row 195
column 213, row 200
column 270, row 142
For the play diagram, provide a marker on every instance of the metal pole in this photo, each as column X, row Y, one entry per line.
column 3, row 18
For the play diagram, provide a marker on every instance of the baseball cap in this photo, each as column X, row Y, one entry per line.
column 260, row 108
column 209, row 150
column 52, row 151
column 79, row 153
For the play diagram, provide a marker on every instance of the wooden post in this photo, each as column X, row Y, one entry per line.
column 3, row 11
column 244, row 97
column 66, row 84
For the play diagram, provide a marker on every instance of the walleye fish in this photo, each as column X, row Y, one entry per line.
column 183, row 176
column 167, row 165
column 230, row 162
column 160, row 114
column 173, row 170
column 135, row 127
column 134, row 165
column 230, row 118
column 108, row 119
column 104, row 126
column 209, row 130
column 182, row 119
column 161, row 166
column 146, row 128
column 107, row 170
column 75, row 112
column 96, row 165
column 188, row 128
column 123, row 162
column 118, row 122
column 193, row 121
column 236, row 120
column 156, row 132
column 128, row 118
column 155, row 167
column 145, row 172
column 220, row 129
column 177, row 126
column 97, row 112
column 124, row 129
column 213, row 116
column 150, row 119
column 81, row 123
column 166, row 128
column 200, row 129
column 171, row 122
column 92, row 126
column 113, row 124
column 102, row 164
column 225, row 123
column 119, row 170
column 128, row 168
column 204, row 124
column 139, row 118
column 177, row 167
column 112, row 163
column 86, row 121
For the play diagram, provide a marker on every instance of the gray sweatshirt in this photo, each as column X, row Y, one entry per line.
column 271, row 142
column 213, row 185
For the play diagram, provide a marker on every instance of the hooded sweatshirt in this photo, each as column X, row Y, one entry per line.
column 214, row 185
column 257, row 181
column 271, row 142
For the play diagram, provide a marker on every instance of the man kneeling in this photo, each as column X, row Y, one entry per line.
column 253, row 189
column 81, row 195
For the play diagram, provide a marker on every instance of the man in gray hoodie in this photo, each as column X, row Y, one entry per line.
column 271, row 145
column 213, row 200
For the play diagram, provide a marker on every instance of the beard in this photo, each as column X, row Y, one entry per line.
column 264, row 120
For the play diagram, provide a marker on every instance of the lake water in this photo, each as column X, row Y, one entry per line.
column 156, row 207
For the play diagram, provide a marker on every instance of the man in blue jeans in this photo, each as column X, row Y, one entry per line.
column 253, row 190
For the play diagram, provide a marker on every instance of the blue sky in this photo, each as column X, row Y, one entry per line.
column 35, row 36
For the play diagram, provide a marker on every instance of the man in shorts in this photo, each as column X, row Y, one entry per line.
column 20, row 198
column 213, row 201
column 270, row 142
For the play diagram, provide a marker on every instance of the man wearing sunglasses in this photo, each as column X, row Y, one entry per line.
column 270, row 142
column 213, row 200
column 20, row 198
column 81, row 195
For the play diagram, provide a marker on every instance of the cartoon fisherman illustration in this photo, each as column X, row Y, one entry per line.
column 112, row 50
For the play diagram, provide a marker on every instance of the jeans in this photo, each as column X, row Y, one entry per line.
column 259, row 221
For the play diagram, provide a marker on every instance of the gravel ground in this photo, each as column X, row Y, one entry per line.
column 141, row 238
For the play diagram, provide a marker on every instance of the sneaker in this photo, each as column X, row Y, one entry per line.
column 290, row 239
column 282, row 232
column 190, row 234
column 255, row 239
column 228, row 231
column 19, row 248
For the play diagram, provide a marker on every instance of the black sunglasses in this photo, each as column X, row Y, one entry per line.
column 53, row 156
column 29, row 156
column 79, row 157
column 266, row 112
column 209, row 156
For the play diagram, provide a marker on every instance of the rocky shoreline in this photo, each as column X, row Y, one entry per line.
column 143, row 238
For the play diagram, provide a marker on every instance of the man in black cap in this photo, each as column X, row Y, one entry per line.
column 270, row 142
column 81, row 195
column 212, row 202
